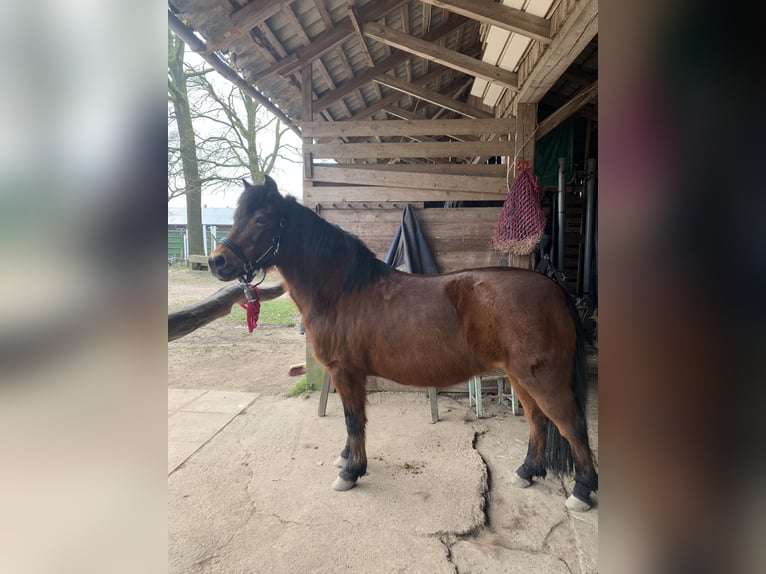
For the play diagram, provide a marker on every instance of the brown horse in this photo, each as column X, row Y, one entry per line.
column 365, row 318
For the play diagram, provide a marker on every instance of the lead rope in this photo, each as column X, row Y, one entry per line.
column 253, row 305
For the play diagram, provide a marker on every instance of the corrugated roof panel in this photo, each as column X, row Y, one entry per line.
column 514, row 50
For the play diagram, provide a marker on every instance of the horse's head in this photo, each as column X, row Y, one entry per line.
column 253, row 242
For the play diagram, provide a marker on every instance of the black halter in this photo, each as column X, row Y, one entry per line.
column 251, row 266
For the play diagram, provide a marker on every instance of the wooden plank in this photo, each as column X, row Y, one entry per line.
column 407, row 115
column 483, row 170
column 375, row 194
column 432, row 96
column 410, row 127
column 337, row 174
column 417, row 149
column 441, row 55
column 496, row 14
column 327, row 40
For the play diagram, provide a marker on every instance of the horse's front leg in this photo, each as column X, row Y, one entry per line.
column 353, row 459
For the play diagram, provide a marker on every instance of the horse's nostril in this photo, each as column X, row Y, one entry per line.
column 218, row 261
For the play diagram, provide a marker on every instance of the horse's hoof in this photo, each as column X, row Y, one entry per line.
column 340, row 462
column 576, row 505
column 519, row 482
column 341, row 485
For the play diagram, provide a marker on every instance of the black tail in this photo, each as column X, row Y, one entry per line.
column 558, row 453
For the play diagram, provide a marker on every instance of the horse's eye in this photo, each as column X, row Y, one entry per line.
column 261, row 220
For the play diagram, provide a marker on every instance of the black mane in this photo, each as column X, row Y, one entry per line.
column 326, row 245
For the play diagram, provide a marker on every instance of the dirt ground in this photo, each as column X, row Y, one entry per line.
column 437, row 497
column 222, row 354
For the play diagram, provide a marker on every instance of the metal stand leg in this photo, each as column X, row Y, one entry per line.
column 434, row 404
column 474, row 394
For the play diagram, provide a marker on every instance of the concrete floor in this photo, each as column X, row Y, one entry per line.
column 249, row 490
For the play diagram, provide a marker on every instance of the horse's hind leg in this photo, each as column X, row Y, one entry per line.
column 534, row 463
column 353, row 458
column 562, row 409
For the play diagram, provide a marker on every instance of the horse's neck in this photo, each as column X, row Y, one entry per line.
column 312, row 286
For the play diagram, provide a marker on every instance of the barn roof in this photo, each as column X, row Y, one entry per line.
column 399, row 59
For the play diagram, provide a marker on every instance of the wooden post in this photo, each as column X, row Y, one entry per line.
column 524, row 145
column 308, row 116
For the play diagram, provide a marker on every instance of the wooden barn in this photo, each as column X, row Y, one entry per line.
column 426, row 102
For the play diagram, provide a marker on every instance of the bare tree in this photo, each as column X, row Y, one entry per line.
column 235, row 136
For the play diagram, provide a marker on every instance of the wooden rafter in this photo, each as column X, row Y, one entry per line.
column 440, row 55
column 499, row 15
column 243, row 20
column 352, row 14
column 327, row 40
column 569, row 108
column 408, row 115
column 432, row 97
column 383, row 66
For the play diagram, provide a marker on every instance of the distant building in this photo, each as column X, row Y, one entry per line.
column 216, row 223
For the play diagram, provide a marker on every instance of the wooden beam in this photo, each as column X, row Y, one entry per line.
column 432, row 97
column 388, row 100
column 354, row 17
column 403, row 114
column 323, row 13
column 526, row 124
column 242, row 21
column 414, row 179
column 327, row 40
column 389, row 150
column 308, row 113
column 382, row 67
column 579, row 28
column 409, row 127
column 448, row 168
column 374, row 194
column 578, row 101
column 496, row 14
column 440, row 55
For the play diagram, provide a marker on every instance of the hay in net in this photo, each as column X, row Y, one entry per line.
column 522, row 222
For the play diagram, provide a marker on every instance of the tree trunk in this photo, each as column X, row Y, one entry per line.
column 177, row 92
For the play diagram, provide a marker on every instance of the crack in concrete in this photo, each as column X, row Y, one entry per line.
column 449, row 539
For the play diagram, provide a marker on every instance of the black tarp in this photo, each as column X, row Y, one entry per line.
column 409, row 247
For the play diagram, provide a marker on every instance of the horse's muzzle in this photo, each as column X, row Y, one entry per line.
column 220, row 267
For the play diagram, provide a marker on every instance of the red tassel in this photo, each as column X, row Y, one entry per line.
column 253, row 309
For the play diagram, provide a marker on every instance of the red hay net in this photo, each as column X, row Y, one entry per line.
column 521, row 223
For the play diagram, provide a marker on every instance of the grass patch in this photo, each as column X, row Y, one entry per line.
column 302, row 387
column 281, row 311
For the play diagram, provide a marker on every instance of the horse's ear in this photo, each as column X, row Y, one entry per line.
column 270, row 187
column 247, row 183
column 269, row 184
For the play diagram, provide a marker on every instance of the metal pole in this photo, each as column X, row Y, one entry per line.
column 590, row 211
column 561, row 213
